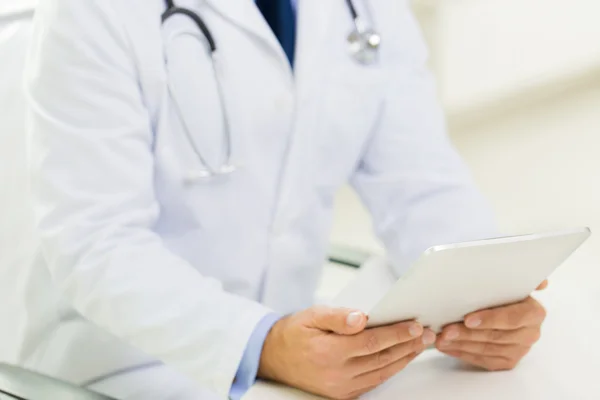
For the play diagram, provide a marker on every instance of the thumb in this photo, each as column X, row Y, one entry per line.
column 338, row 320
column 543, row 285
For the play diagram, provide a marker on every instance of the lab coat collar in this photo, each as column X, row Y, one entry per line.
column 313, row 21
column 245, row 15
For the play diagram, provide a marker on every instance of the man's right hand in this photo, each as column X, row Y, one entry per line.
column 329, row 352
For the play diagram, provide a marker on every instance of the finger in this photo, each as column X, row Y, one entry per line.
column 511, row 351
column 488, row 363
column 543, row 285
column 524, row 336
column 529, row 312
column 375, row 378
column 338, row 320
column 372, row 341
column 373, row 362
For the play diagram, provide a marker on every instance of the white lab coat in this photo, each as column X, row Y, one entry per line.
column 17, row 235
column 136, row 262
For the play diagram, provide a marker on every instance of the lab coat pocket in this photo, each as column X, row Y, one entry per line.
column 351, row 106
column 194, row 96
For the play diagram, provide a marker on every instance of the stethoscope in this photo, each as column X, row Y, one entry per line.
column 363, row 45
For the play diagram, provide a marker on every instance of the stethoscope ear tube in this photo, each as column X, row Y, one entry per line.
column 227, row 167
column 197, row 20
column 352, row 9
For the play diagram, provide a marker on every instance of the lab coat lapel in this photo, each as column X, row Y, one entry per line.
column 245, row 15
column 314, row 21
column 290, row 279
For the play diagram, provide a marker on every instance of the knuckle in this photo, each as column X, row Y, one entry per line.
column 382, row 376
column 481, row 360
column 536, row 312
column 459, row 345
column 405, row 361
column 383, row 358
column 372, row 380
column 523, row 354
column 486, row 348
column 492, row 349
column 330, row 313
column 501, row 364
column 496, row 335
column 541, row 312
column 535, row 336
column 531, row 336
column 314, row 315
column 372, row 343
column 497, row 365
column 493, row 366
column 510, row 364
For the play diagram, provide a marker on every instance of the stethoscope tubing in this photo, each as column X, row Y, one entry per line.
column 227, row 168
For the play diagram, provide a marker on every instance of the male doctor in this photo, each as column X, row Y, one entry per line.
column 155, row 278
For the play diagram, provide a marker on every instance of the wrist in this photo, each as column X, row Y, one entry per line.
column 270, row 359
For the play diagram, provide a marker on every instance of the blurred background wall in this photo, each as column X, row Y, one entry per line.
column 520, row 83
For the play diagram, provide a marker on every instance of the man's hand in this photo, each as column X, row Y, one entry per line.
column 495, row 339
column 328, row 352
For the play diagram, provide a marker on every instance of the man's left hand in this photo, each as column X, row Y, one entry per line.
column 495, row 339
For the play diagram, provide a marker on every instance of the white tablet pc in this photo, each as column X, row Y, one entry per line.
column 450, row 281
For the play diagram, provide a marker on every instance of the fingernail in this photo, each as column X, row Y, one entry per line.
column 451, row 334
column 473, row 322
column 354, row 318
column 445, row 343
column 428, row 337
column 415, row 330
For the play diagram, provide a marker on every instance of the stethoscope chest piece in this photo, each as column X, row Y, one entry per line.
column 363, row 41
column 207, row 175
column 364, row 46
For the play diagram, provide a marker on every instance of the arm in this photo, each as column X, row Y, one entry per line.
column 412, row 180
column 420, row 194
column 95, row 204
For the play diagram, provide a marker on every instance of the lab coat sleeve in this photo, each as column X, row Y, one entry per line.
column 247, row 372
column 92, row 165
column 415, row 185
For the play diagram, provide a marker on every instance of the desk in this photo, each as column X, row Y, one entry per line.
column 565, row 365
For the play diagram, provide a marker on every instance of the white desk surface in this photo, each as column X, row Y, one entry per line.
column 565, row 364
